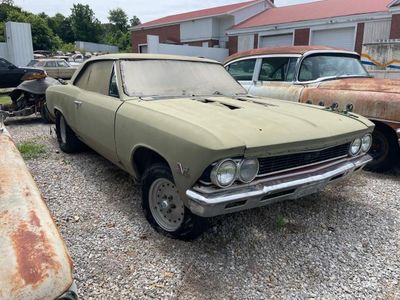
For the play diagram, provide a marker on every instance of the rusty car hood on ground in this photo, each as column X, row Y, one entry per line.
column 34, row 261
column 363, row 84
column 258, row 124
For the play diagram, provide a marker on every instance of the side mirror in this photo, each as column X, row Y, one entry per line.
column 11, row 67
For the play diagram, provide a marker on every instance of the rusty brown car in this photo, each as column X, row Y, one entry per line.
column 34, row 261
column 324, row 76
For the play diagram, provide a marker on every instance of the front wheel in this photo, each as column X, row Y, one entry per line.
column 66, row 138
column 384, row 150
column 164, row 208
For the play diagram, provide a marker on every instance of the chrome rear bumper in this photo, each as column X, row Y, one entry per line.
column 208, row 202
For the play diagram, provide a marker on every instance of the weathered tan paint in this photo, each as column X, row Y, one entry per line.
column 196, row 132
column 34, row 260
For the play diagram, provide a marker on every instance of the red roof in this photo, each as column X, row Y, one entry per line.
column 203, row 13
column 314, row 11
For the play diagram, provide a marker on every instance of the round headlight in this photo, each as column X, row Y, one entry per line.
column 366, row 142
column 355, row 146
column 224, row 173
column 248, row 170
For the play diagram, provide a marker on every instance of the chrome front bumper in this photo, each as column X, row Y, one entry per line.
column 209, row 202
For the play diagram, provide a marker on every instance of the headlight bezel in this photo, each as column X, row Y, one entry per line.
column 241, row 166
column 216, row 168
column 359, row 147
column 238, row 176
column 363, row 149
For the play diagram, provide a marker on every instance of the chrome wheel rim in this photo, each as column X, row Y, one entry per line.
column 63, row 131
column 166, row 205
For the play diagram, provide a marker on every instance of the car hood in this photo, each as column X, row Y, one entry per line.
column 363, row 84
column 260, row 123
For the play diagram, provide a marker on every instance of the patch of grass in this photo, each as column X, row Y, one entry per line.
column 30, row 150
column 5, row 100
column 281, row 222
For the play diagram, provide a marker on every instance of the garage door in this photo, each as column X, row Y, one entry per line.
column 339, row 37
column 281, row 40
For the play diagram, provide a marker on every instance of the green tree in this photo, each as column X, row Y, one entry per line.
column 84, row 24
column 134, row 21
column 7, row 2
column 43, row 37
column 62, row 27
column 119, row 19
column 116, row 32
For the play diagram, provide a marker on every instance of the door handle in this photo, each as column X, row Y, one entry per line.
column 77, row 103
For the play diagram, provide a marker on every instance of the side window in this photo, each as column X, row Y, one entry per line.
column 291, row 70
column 306, row 71
column 96, row 77
column 62, row 64
column 113, row 91
column 277, row 69
column 242, row 70
column 50, row 64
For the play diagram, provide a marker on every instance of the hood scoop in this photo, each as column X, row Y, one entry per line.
column 219, row 104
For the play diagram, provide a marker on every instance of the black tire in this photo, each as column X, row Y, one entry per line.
column 384, row 150
column 192, row 225
column 69, row 143
column 44, row 113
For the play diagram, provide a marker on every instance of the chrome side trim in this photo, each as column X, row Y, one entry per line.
column 208, row 202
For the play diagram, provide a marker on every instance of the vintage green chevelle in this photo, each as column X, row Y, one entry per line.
column 198, row 143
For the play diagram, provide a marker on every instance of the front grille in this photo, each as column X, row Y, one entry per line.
column 280, row 163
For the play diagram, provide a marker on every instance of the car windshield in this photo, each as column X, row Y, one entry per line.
column 169, row 78
column 326, row 65
column 32, row 63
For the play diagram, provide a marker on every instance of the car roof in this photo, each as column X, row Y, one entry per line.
column 136, row 56
column 141, row 56
column 295, row 50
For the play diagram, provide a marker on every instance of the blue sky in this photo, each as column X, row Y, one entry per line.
column 146, row 10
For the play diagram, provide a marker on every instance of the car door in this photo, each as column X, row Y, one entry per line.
column 243, row 71
column 64, row 69
column 276, row 79
column 51, row 68
column 95, row 107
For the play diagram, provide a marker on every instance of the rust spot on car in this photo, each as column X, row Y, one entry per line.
column 4, row 216
column 34, row 256
column 34, row 219
column 27, row 192
column 370, row 97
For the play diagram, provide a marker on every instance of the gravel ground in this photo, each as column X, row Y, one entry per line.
column 342, row 243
